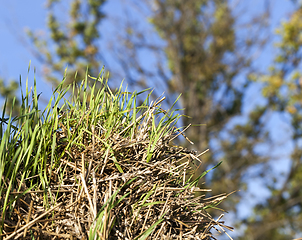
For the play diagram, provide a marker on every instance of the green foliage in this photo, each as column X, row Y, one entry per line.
column 75, row 39
column 282, row 87
column 9, row 93
column 205, row 59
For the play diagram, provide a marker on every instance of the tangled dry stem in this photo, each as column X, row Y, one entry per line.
column 107, row 186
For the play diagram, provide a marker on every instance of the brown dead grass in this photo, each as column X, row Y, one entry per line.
column 107, row 186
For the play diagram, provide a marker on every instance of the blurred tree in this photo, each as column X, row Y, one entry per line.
column 74, row 37
column 280, row 217
column 201, row 50
column 208, row 55
column 8, row 92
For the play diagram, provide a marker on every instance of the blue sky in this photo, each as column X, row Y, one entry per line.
column 15, row 16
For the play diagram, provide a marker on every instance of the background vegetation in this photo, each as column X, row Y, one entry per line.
column 204, row 49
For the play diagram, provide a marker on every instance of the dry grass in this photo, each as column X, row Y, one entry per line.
column 109, row 171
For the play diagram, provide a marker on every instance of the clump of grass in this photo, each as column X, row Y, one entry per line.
column 99, row 166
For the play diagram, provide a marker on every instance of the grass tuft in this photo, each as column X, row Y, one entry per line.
column 99, row 166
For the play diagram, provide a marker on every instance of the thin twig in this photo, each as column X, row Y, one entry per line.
column 33, row 221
